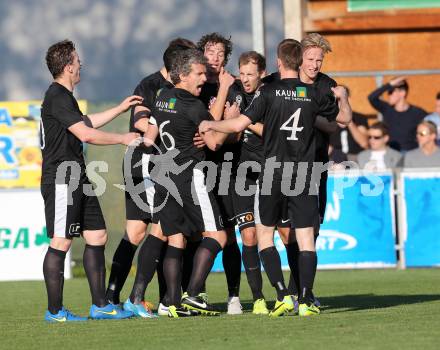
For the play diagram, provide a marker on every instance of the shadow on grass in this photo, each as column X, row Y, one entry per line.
column 346, row 303
column 349, row 303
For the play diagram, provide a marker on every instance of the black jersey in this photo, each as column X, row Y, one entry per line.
column 59, row 111
column 289, row 108
column 148, row 89
column 209, row 94
column 251, row 143
column 177, row 113
column 324, row 84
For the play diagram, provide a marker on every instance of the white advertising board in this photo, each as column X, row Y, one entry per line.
column 23, row 239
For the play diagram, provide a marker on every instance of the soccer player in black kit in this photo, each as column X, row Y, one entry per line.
column 139, row 203
column 71, row 207
column 289, row 108
column 314, row 48
column 214, row 95
column 252, row 68
column 181, row 182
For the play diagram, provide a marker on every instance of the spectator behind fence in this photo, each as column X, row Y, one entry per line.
column 379, row 156
column 435, row 116
column 352, row 139
column 401, row 117
column 428, row 154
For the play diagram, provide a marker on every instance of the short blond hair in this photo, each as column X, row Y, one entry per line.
column 316, row 40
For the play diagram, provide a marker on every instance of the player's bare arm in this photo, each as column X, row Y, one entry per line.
column 97, row 137
column 256, row 128
column 232, row 111
column 225, row 80
column 151, row 135
column 225, row 126
column 102, row 118
column 345, row 113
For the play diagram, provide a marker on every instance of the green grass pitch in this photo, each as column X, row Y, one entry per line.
column 368, row 309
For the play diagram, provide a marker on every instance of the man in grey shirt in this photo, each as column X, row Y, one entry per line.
column 428, row 154
column 379, row 156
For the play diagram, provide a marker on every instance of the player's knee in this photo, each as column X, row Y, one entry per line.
column 135, row 237
column 249, row 236
column 284, row 234
column 135, row 231
column 62, row 244
column 95, row 237
column 219, row 236
column 156, row 231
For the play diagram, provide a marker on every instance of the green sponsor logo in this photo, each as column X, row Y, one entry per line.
column 171, row 103
column 21, row 238
column 301, row 92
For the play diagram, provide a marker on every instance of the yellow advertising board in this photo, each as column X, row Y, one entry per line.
column 20, row 155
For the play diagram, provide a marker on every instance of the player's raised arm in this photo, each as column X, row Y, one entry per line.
column 102, row 118
column 97, row 137
column 225, row 81
column 345, row 113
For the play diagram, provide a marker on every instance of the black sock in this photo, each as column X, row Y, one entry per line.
column 53, row 271
column 252, row 266
column 94, row 265
column 232, row 265
column 160, row 277
column 147, row 262
column 188, row 261
column 292, row 251
column 203, row 261
column 122, row 261
column 172, row 270
column 307, row 269
column 272, row 264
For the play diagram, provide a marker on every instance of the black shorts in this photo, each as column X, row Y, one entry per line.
column 322, row 195
column 139, row 191
column 244, row 204
column 70, row 212
column 194, row 212
column 276, row 208
column 244, row 198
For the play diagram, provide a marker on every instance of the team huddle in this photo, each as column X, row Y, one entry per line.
column 207, row 152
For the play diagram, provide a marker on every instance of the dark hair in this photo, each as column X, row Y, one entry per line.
column 182, row 62
column 252, row 57
column 289, row 51
column 216, row 38
column 380, row 126
column 437, row 96
column 58, row 56
column 175, row 45
column 402, row 86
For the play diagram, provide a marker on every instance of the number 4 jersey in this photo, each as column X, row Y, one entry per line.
column 289, row 109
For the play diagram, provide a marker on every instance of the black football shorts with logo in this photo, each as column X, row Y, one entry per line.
column 193, row 211
column 69, row 211
column 275, row 208
column 244, row 198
